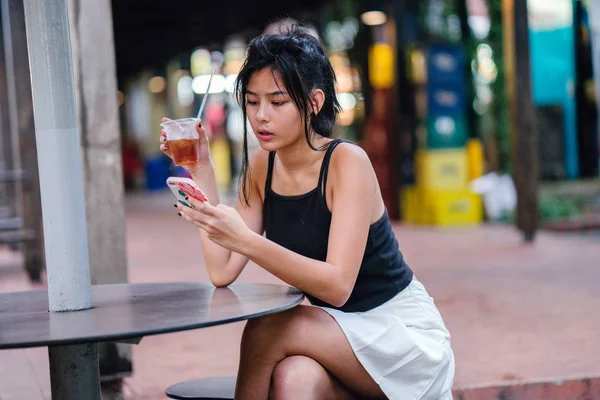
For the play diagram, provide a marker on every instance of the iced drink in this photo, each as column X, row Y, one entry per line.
column 184, row 151
column 182, row 140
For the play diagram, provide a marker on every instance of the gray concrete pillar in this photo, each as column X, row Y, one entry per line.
column 96, row 91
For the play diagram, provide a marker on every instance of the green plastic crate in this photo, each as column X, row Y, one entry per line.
column 446, row 132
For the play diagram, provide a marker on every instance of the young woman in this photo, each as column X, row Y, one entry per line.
column 372, row 330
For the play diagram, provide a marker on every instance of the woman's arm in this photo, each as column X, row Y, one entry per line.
column 222, row 264
column 354, row 193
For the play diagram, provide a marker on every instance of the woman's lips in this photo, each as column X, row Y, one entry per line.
column 265, row 135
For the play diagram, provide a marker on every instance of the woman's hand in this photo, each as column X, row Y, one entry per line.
column 203, row 147
column 222, row 224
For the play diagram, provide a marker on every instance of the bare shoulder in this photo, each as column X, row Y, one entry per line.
column 349, row 156
column 350, row 167
column 353, row 176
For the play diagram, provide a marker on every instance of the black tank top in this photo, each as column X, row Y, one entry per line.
column 301, row 224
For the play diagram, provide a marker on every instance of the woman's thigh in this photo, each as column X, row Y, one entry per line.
column 311, row 332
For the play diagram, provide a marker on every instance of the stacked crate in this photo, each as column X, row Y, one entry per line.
column 440, row 195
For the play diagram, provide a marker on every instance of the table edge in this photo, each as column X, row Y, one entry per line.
column 159, row 331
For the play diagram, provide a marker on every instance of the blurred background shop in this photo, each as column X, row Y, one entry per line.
column 422, row 85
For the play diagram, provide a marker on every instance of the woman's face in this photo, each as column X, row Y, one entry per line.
column 272, row 113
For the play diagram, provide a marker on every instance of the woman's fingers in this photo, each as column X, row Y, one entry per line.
column 192, row 213
column 194, row 222
column 195, row 218
column 164, row 147
column 202, row 206
column 200, row 211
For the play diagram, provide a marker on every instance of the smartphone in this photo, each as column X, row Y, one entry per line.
column 185, row 187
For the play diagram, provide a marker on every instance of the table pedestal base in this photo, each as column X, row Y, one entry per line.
column 74, row 372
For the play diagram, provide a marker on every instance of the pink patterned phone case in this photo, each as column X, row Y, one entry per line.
column 185, row 187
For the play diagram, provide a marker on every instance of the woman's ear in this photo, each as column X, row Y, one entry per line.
column 317, row 100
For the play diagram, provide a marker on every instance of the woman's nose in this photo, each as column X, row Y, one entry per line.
column 262, row 113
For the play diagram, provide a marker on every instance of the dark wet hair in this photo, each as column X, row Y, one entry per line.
column 304, row 67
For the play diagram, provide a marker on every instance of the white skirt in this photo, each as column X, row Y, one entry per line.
column 403, row 344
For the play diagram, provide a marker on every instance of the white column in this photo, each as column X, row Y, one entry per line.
column 74, row 368
column 59, row 155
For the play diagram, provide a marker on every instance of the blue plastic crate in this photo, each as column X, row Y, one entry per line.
column 445, row 64
column 446, row 99
column 158, row 169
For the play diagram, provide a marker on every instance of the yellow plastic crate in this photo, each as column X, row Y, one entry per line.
column 475, row 157
column 409, row 205
column 445, row 169
column 450, row 208
column 219, row 150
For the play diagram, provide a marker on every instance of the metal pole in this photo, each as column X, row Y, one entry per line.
column 8, row 112
column 22, row 133
column 72, row 375
column 5, row 157
column 73, row 369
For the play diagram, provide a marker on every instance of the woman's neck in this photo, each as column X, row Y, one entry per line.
column 299, row 155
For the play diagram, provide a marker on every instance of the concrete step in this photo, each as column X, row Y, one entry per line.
column 587, row 388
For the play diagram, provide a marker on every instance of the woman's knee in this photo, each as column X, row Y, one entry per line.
column 259, row 329
column 298, row 376
column 273, row 327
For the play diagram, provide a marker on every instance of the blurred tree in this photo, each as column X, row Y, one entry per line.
column 500, row 109
column 470, row 46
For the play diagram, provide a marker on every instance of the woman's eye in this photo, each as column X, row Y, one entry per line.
column 278, row 103
column 252, row 103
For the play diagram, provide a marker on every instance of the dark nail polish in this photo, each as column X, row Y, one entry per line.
column 175, row 205
column 179, row 214
column 187, row 198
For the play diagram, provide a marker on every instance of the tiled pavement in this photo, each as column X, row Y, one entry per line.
column 516, row 313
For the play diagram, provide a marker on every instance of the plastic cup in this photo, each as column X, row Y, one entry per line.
column 182, row 140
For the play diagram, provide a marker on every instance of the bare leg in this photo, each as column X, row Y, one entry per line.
column 302, row 331
column 302, row 378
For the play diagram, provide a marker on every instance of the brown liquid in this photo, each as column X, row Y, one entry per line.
column 184, row 151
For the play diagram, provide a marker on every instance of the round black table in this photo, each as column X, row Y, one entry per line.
column 126, row 311
column 133, row 310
